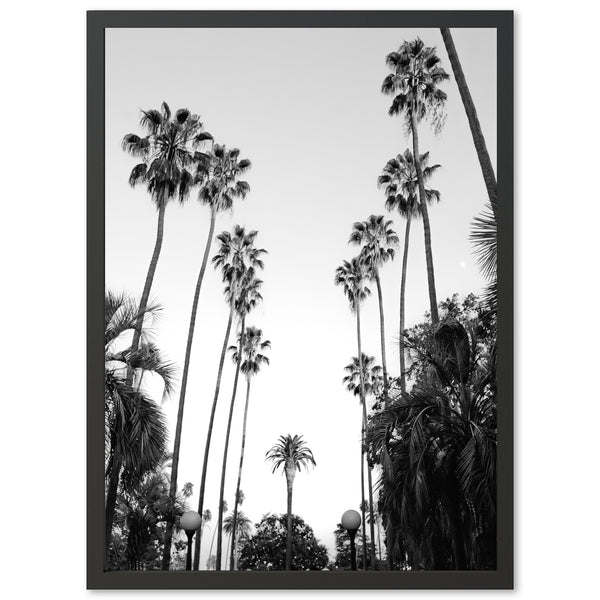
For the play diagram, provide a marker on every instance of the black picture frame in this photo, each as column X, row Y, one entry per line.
column 97, row 22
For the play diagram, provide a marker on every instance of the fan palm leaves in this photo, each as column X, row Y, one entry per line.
column 290, row 453
column 135, row 427
column 250, row 360
column 217, row 174
column 372, row 378
column 378, row 242
column 400, row 182
column 414, row 82
column 239, row 528
column 238, row 259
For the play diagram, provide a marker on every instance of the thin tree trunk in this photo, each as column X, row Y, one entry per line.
column 402, row 304
column 211, row 546
column 382, row 335
column 288, row 547
column 364, row 429
column 482, row 154
column 239, row 479
column 186, row 366
column 111, row 501
column 197, row 544
column 362, row 495
column 226, row 448
column 423, row 205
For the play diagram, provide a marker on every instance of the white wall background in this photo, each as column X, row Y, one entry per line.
column 42, row 46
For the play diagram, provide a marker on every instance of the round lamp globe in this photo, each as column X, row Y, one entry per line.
column 351, row 520
column 190, row 520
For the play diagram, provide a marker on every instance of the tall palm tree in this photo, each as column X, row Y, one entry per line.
column 416, row 75
column 217, row 174
column 482, row 154
column 372, row 382
column 378, row 241
column 248, row 297
column 238, row 528
column 135, row 427
column 352, row 276
column 250, row 360
column 290, row 453
column 168, row 153
column 400, row 182
column 237, row 258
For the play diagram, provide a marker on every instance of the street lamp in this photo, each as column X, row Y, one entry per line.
column 351, row 522
column 190, row 521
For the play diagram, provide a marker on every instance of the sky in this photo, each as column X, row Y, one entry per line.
column 304, row 105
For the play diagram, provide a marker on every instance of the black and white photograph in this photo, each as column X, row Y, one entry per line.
column 301, row 299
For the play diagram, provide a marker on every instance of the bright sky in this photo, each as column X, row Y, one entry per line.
column 305, row 107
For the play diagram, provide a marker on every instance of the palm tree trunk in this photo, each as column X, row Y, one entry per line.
column 362, row 496
column 186, row 367
column 402, row 304
column 423, row 205
column 364, row 431
column 382, row 335
column 111, row 501
column 288, row 547
column 211, row 545
column 482, row 154
column 239, row 479
column 197, row 543
column 226, row 448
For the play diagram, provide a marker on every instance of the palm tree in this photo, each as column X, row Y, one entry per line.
column 372, row 382
column 212, row 558
column 248, row 297
column 414, row 80
column 378, row 241
column 238, row 527
column 482, row 154
column 135, row 427
column 167, row 153
column 290, row 453
column 401, row 189
column 352, row 275
column 217, row 174
column 238, row 259
column 250, row 360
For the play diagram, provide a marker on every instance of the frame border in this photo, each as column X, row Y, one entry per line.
column 97, row 578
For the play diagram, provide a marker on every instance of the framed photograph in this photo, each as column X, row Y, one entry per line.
column 300, row 248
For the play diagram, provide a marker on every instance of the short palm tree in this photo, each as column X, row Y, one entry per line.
column 290, row 453
column 400, row 183
column 238, row 528
column 250, row 360
column 168, row 155
column 414, row 83
column 238, row 259
column 378, row 241
column 135, row 427
column 217, row 175
column 248, row 298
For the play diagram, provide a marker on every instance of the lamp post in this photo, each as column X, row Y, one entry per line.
column 351, row 522
column 190, row 521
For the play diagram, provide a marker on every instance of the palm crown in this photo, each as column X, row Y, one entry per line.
column 252, row 348
column 352, row 275
column 400, row 183
column 414, row 80
column 291, row 452
column 372, row 375
column 218, row 173
column 377, row 239
column 168, row 151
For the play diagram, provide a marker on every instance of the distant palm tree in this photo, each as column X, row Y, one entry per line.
column 400, row 182
column 237, row 258
column 352, row 276
column 135, row 427
column 248, row 297
column 378, row 241
column 414, row 82
column 238, row 528
column 217, row 174
column 372, row 382
column 482, row 154
column 212, row 556
column 250, row 360
column 290, row 453
column 167, row 153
